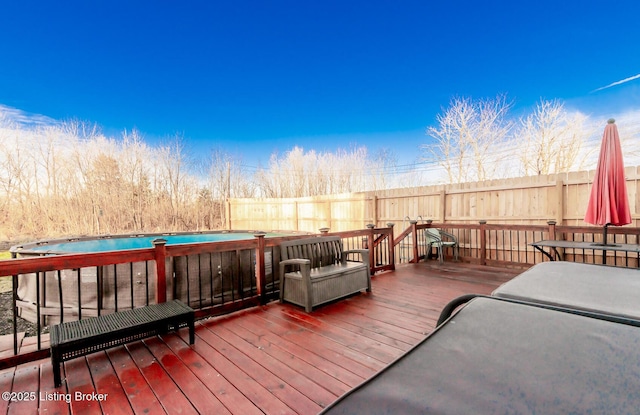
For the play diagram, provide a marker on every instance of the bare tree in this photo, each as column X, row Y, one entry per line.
column 469, row 138
column 383, row 162
column 135, row 158
column 225, row 178
column 14, row 184
column 176, row 185
column 551, row 139
column 85, row 203
column 299, row 173
column 629, row 130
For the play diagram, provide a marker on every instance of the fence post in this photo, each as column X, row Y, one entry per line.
column 260, row 272
column 414, row 239
column 160, row 246
column 374, row 209
column 443, row 206
column 483, row 243
column 559, row 205
column 227, row 216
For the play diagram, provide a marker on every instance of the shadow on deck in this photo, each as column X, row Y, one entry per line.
column 274, row 359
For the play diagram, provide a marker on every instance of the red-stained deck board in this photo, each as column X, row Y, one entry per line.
column 166, row 391
column 309, row 339
column 331, row 352
column 6, row 384
column 365, row 326
column 106, row 381
column 208, row 375
column 293, row 368
column 416, row 293
column 230, row 365
column 402, row 326
column 53, row 401
column 332, row 376
column 26, row 381
column 202, row 399
column 364, row 345
column 79, row 384
column 427, row 305
column 278, row 387
column 139, row 394
column 273, row 359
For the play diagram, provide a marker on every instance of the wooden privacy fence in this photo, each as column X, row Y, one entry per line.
column 527, row 200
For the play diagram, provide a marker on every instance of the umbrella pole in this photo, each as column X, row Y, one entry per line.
column 604, row 242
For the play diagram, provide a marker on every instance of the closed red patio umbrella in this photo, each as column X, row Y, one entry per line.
column 608, row 203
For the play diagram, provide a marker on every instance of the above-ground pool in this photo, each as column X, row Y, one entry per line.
column 199, row 280
column 126, row 242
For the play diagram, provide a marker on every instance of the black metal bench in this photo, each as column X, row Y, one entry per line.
column 79, row 338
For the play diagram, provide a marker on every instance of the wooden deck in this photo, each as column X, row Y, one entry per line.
column 274, row 359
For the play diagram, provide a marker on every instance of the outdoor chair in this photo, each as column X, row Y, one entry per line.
column 436, row 238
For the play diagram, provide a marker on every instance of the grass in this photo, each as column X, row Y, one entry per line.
column 5, row 282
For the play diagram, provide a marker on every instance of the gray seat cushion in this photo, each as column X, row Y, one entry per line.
column 497, row 357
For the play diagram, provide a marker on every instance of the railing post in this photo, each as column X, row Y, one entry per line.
column 429, row 249
column 365, row 239
column 260, row 271
column 372, row 248
column 552, row 236
column 483, row 243
column 414, row 239
column 161, row 270
column 14, row 298
column 552, row 229
column 392, row 256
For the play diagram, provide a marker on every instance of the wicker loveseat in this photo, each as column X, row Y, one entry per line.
column 314, row 271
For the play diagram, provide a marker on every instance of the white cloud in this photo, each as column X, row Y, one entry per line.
column 631, row 78
column 16, row 116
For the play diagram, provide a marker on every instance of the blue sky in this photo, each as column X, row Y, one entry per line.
column 254, row 77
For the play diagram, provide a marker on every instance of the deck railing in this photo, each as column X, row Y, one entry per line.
column 220, row 277
column 379, row 241
column 510, row 245
column 213, row 278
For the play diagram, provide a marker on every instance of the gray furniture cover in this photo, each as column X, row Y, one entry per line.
column 594, row 288
column 494, row 356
